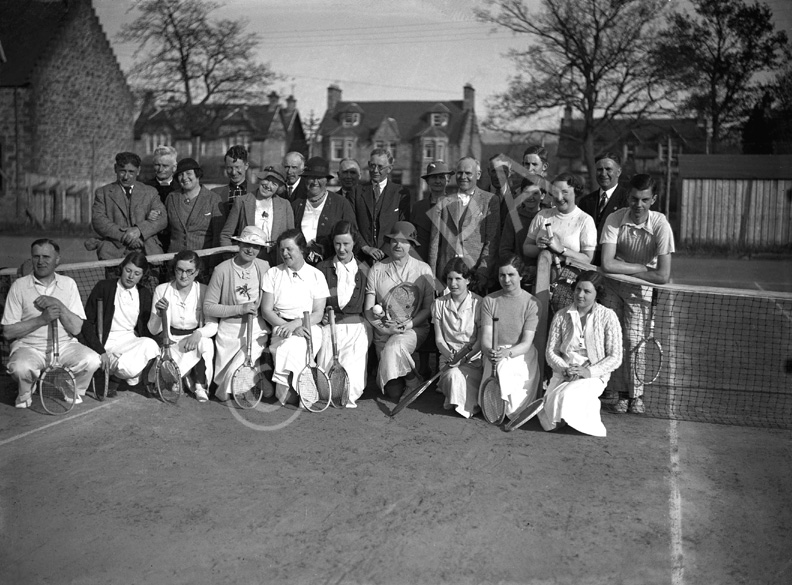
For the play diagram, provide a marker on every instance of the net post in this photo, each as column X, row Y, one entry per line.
column 542, row 293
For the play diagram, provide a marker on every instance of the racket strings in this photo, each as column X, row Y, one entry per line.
column 168, row 380
column 491, row 402
column 58, row 391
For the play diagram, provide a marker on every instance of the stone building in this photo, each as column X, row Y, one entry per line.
column 205, row 133
column 416, row 132
column 65, row 109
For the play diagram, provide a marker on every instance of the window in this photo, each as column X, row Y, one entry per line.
column 434, row 148
column 152, row 141
column 387, row 145
column 341, row 149
column 439, row 119
column 429, row 149
column 350, row 119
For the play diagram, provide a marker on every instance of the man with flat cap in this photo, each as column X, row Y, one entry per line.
column 263, row 209
column 317, row 214
column 425, row 212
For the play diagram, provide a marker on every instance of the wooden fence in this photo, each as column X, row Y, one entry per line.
column 53, row 201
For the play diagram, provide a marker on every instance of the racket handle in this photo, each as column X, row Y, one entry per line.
column 556, row 259
column 307, row 326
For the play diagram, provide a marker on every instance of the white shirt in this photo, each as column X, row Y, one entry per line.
column 294, row 292
column 608, row 194
column 127, row 309
column 264, row 217
column 184, row 313
column 576, row 230
column 346, row 280
column 464, row 198
column 310, row 219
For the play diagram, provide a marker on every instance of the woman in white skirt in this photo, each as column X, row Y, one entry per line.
column 290, row 289
column 346, row 280
column 457, row 318
column 584, row 347
column 125, row 344
column 234, row 292
column 183, row 299
column 514, row 355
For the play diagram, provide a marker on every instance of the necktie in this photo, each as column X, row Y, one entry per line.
column 291, row 189
column 602, row 203
column 128, row 191
column 377, row 191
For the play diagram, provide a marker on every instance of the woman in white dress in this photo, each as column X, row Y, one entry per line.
column 234, row 292
column 514, row 355
column 395, row 342
column 457, row 318
column 290, row 289
column 346, row 280
column 182, row 298
column 584, row 347
column 126, row 346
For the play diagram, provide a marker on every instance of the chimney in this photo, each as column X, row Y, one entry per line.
column 333, row 96
column 274, row 98
column 291, row 103
column 469, row 102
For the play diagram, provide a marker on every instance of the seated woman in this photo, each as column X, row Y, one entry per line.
column 125, row 344
column 290, row 289
column 194, row 215
column 234, row 292
column 514, row 356
column 346, row 280
column 183, row 299
column 263, row 209
column 395, row 341
column 457, row 317
column 584, row 347
column 573, row 230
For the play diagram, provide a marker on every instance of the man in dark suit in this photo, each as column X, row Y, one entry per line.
column 127, row 214
column 379, row 205
column 236, row 168
column 609, row 197
column 349, row 179
column 317, row 214
column 293, row 166
column 164, row 182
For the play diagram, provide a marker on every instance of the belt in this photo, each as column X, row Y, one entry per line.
column 176, row 331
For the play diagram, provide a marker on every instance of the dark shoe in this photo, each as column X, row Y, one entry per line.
column 636, row 406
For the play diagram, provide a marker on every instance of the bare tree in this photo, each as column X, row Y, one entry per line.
column 186, row 58
column 590, row 55
column 715, row 57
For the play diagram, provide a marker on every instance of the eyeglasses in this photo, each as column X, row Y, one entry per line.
column 185, row 271
column 374, row 167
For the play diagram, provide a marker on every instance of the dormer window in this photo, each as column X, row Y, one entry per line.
column 350, row 119
column 439, row 119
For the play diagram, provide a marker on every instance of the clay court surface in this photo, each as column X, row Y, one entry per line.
column 133, row 491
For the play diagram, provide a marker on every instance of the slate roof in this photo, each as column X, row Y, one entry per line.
column 26, row 30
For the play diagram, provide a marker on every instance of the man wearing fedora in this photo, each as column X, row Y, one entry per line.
column 293, row 166
column 379, row 205
column 122, row 213
column 425, row 212
column 236, row 168
column 262, row 209
column 317, row 213
column 469, row 226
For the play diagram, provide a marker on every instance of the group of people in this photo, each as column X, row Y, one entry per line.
column 304, row 249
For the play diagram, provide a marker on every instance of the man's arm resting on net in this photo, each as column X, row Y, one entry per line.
column 659, row 275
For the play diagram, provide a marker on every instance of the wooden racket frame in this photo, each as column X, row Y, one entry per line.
column 248, row 363
column 337, row 373
column 55, row 363
column 312, row 370
column 648, row 338
column 385, row 301
column 531, row 410
column 493, row 377
column 165, row 354
column 101, row 393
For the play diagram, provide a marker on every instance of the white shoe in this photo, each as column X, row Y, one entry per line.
column 200, row 393
column 78, row 399
column 25, row 404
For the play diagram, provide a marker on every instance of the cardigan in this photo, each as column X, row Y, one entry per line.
column 105, row 290
column 603, row 340
column 355, row 304
column 220, row 300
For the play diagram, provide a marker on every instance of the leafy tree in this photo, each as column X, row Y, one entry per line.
column 590, row 55
column 186, row 58
column 715, row 56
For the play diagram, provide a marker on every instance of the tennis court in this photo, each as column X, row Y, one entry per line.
column 131, row 490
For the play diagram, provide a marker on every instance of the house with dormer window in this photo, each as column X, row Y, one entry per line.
column 416, row 132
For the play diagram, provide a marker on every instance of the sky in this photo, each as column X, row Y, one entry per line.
column 374, row 49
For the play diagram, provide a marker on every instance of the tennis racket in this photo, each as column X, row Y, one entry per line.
column 56, row 385
column 339, row 379
column 312, row 383
column 492, row 405
column 101, row 380
column 401, row 302
column 556, row 259
column 461, row 356
column 169, row 386
column 648, row 356
column 244, row 388
column 525, row 415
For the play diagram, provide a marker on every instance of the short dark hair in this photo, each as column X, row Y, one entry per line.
column 614, row 156
column 44, row 242
column 457, row 264
column 642, row 182
column 137, row 258
column 573, row 181
column 539, row 151
column 298, row 237
column 188, row 256
column 237, row 152
column 198, row 173
column 125, row 158
column 595, row 278
column 512, row 260
column 382, row 152
column 342, row 228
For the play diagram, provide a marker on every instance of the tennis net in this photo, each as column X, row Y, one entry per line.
column 726, row 353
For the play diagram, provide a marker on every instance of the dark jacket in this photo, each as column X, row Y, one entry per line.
column 589, row 203
column 105, row 290
column 355, row 304
column 243, row 213
column 202, row 227
column 300, row 192
column 373, row 227
column 335, row 209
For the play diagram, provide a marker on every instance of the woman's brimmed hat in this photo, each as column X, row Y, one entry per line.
column 317, row 167
column 187, row 164
column 404, row 230
column 437, row 167
column 273, row 171
column 251, row 235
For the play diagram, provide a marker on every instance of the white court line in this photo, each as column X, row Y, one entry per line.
column 675, row 510
column 782, row 311
column 57, row 422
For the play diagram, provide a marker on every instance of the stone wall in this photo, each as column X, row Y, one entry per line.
column 15, row 152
